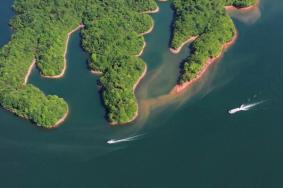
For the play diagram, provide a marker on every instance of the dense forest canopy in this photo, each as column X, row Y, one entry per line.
column 113, row 36
column 209, row 21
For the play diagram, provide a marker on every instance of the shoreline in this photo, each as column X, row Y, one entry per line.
column 65, row 60
column 176, row 51
column 97, row 73
column 134, row 89
column 248, row 8
column 60, row 121
column 152, row 11
column 142, row 50
column 56, row 125
column 65, row 54
column 143, row 74
column 179, row 88
column 149, row 30
column 29, row 71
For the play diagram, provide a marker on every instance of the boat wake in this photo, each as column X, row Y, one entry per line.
column 129, row 139
column 244, row 107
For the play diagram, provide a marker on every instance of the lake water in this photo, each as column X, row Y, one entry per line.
column 187, row 141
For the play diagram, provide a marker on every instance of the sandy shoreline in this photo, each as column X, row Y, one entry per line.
column 65, row 60
column 143, row 74
column 98, row 73
column 141, row 52
column 60, row 121
column 65, row 54
column 29, row 71
column 179, row 88
column 152, row 11
column 176, row 51
column 232, row 8
column 56, row 125
column 148, row 31
column 134, row 89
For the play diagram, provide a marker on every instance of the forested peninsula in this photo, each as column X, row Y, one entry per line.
column 112, row 34
column 207, row 24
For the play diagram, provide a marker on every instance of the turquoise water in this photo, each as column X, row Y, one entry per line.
column 188, row 141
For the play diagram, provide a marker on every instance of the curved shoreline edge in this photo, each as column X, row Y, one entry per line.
column 228, row 8
column 144, row 72
column 134, row 89
column 248, row 8
column 176, row 51
column 65, row 59
column 179, row 88
column 65, row 54
column 141, row 52
column 152, row 11
column 60, row 121
column 29, row 71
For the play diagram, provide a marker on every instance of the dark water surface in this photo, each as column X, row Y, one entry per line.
column 188, row 141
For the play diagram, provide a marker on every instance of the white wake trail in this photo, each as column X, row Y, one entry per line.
column 129, row 139
column 245, row 107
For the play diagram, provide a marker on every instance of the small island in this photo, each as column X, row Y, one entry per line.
column 112, row 33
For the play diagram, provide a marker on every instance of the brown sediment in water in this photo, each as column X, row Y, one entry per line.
column 179, row 98
column 182, row 87
column 140, row 78
column 180, row 94
column 143, row 74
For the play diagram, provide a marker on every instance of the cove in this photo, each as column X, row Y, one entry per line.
column 188, row 142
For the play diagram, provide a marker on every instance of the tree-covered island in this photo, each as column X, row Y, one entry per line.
column 112, row 33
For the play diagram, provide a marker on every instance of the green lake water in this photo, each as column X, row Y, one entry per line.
column 186, row 141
